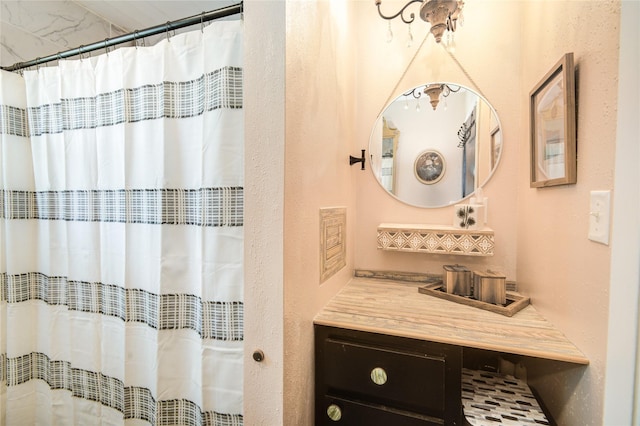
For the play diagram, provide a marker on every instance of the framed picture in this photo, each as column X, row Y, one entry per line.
column 553, row 126
column 429, row 167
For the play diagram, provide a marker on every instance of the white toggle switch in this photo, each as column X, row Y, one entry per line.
column 599, row 216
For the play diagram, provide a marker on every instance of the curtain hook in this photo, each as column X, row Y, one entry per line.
column 80, row 49
column 38, row 64
column 202, row 22
column 106, row 46
column 167, row 30
column 135, row 38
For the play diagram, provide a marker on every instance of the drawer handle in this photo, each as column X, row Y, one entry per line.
column 379, row 376
column 334, row 412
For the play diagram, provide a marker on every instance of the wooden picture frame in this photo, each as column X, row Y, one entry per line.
column 552, row 110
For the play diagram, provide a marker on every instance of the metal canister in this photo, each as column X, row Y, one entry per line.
column 490, row 287
column 457, row 280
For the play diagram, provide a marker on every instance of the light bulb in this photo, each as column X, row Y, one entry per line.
column 389, row 34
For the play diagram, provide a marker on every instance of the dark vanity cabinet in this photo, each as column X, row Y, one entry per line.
column 386, row 354
column 371, row 379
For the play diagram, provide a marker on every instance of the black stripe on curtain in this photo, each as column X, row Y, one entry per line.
column 202, row 207
column 13, row 121
column 133, row 402
column 210, row 319
column 220, row 89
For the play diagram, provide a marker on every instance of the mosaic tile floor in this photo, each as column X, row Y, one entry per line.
column 492, row 398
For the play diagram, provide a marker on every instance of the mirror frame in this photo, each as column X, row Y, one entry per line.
column 495, row 131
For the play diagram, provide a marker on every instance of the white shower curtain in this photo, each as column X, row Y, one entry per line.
column 121, row 236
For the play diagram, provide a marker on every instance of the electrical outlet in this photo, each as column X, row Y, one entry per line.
column 599, row 212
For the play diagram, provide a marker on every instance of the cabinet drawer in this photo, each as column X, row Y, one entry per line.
column 396, row 378
column 352, row 413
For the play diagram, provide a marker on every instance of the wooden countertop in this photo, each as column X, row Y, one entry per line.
column 397, row 308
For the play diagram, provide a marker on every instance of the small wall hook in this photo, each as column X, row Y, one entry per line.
column 353, row 160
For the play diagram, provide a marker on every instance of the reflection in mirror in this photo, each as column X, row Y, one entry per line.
column 389, row 148
column 435, row 150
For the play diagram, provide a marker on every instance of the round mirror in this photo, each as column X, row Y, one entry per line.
column 435, row 145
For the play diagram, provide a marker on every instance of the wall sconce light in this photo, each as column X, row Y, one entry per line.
column 443, row 15
column 434, row 91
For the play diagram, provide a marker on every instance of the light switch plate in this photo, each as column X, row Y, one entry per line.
column 599, row 213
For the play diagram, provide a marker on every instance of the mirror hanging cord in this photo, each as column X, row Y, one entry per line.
column 464, row 71
column 404, row 73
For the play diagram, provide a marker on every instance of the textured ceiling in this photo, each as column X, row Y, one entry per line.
column 32, row 29
column 137, row 15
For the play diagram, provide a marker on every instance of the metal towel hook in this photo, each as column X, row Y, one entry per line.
column 353, row 160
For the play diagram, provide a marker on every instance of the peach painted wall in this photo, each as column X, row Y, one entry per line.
column 541, row 235
column 567, row 275
column 320, row 75
column 339, row 73
column 491, row 59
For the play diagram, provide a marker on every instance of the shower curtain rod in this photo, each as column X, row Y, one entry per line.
column 158, row 29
